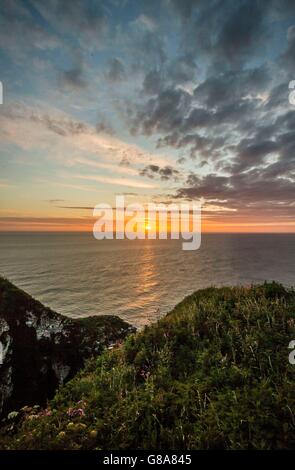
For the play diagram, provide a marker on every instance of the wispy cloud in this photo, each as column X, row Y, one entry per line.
column 45, row 128
column 107, row 166
column 116, row 181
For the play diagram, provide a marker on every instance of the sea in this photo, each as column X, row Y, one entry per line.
column 141, row 280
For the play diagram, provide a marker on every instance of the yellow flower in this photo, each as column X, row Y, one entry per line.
column 81, row 425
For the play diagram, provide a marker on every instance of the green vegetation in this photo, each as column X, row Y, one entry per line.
column 43, row 349
column 212, row 374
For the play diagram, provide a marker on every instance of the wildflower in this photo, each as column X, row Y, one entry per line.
column 81, row 426
column 145, row 373
column 61, row 435
column 93, row 434
column 72, row 412
column 31, row 417
column 45, row 412
column 26, row 409
column 82, row 403
column 12, row 415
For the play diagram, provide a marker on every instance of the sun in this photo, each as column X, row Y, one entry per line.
column 147, row 226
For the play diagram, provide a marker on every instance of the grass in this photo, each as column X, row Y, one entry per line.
column 212, row 374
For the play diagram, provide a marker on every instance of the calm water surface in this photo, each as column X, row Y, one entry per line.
column 78, row 276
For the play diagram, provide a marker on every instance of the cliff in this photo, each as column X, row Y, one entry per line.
column 212, row 374
column 40, row 349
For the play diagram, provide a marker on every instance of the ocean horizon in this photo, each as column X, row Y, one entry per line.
column 140, row 280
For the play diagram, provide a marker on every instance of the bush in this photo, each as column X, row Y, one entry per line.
column 212, row 374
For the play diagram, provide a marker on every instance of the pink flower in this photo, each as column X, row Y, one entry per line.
column 46, row 412
column 72, row 412
column 145, row 373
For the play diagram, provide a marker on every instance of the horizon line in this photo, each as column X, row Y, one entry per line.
column 202, row 232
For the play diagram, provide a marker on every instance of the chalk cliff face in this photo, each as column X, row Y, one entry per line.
column 40, row 349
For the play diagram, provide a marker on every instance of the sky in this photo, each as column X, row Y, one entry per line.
column 164, row 101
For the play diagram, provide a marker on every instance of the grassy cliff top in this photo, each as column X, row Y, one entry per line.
column 213, row 374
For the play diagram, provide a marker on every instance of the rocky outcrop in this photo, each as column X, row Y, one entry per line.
column 41, row 349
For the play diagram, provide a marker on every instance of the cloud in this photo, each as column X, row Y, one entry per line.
column 206, row 82
column 144, row 21
column 65, row 138
column 253, row 153
column 115, row 181
column 104, row 127
column 165, row 173
column 45, row 223
column 144, row 46
column 88, row 208
column 55, row 201
column 228, row 33
column 86, row 21
column 184, row 9
column 16, row 21
column 106, row 166
column 288, row 59
column 241, row 30
column 162, row 113
column 243, row 191
column 74, row 78
column 116, row 71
